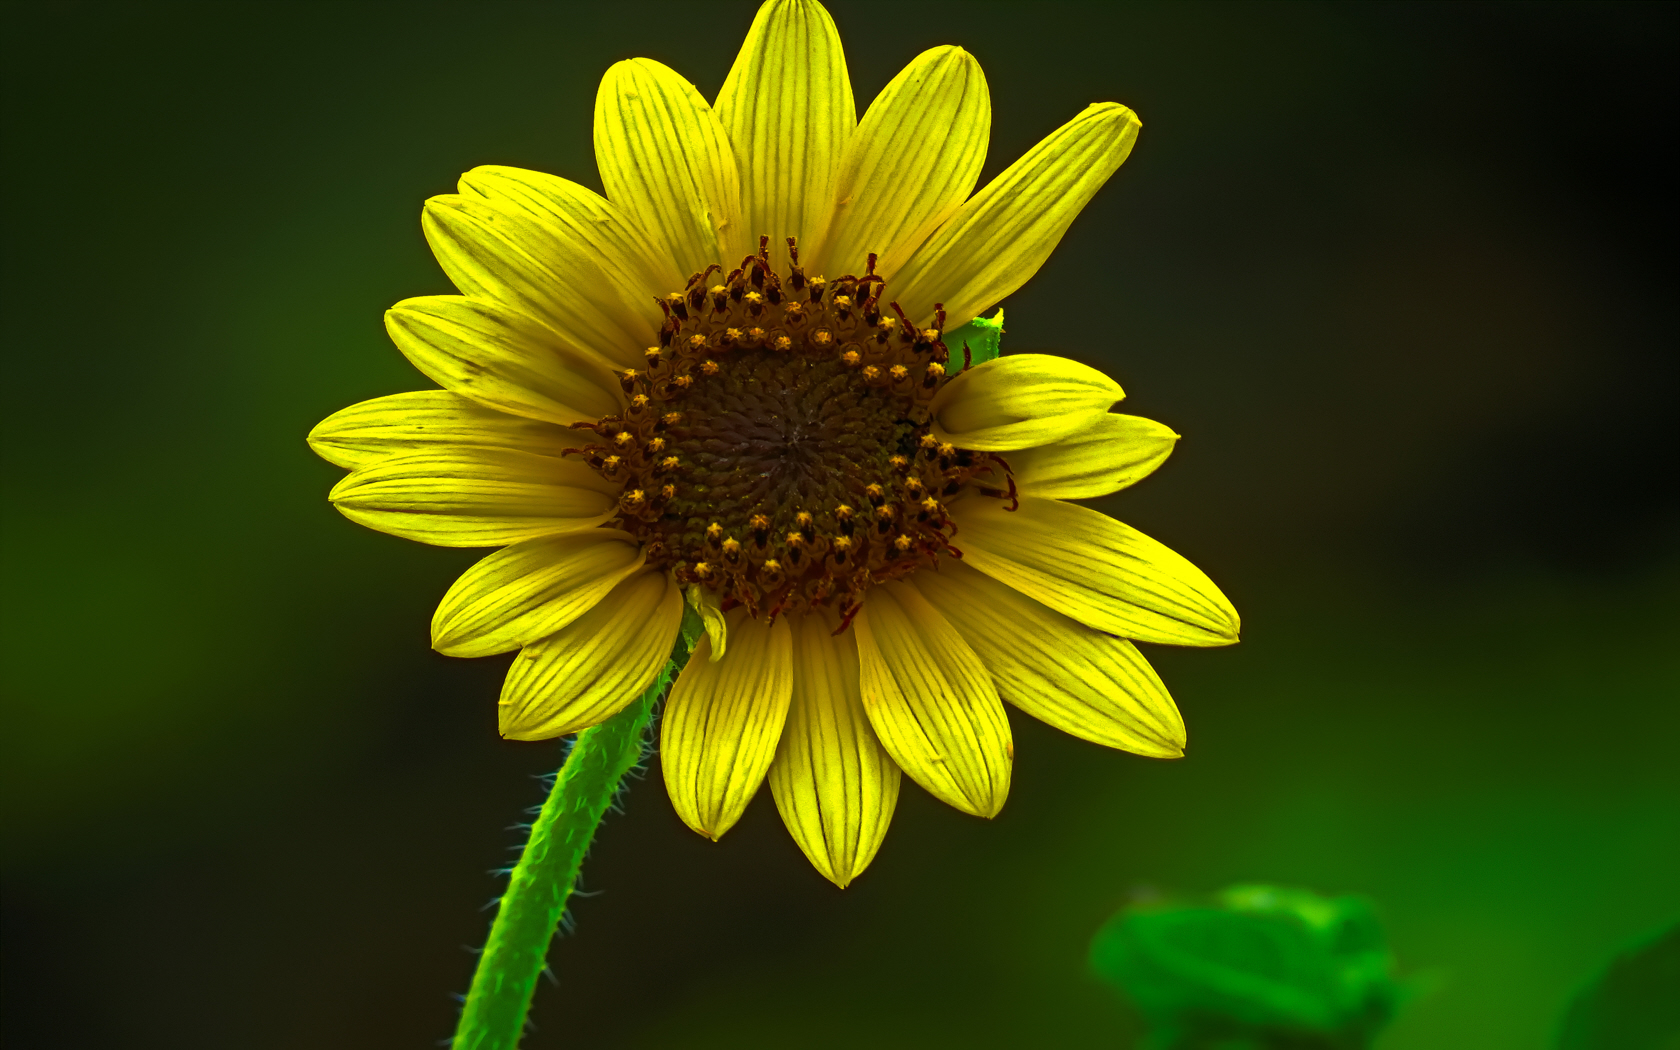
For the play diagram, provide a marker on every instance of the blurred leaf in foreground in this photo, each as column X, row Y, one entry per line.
column 1256, row 968
column 1633, row 1003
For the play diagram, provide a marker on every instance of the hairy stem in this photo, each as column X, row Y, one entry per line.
column 494, row 1015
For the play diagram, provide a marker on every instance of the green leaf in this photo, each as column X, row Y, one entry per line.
column 983, row 336
column 1631, row 1004
column 1258, row 966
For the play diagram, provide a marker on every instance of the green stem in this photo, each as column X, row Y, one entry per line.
column 494, row 1015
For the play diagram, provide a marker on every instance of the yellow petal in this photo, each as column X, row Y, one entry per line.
column 427, row 419
column 833, row 782
column 1001, row 236
column 1088, row 566
column 931, row 702
column 1114, row 452
column 589, row 226
column 1092, row 685
column 722, row 722
column 667, row 162
column 1021, row 401
column 914, row 158
column 530, row 590
column 498, row 252
column 787, row 106
column 474, row 497
column 710, row 610
column 587, row 671
column 502, row 359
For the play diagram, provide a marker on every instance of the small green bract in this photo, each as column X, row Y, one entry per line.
column 982, row 336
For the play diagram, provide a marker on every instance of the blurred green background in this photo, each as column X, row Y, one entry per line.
column 1404, row 276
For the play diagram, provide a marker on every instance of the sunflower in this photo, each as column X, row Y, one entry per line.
column 657, row 399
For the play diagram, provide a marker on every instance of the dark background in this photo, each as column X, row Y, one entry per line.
column 1404, row 276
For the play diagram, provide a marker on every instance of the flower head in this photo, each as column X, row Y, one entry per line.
column 742, row 382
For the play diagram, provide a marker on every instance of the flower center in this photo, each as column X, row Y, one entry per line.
column 776, row 448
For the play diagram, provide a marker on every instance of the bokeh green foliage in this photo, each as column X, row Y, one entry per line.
column 1634, row 1004
column 1255, row 968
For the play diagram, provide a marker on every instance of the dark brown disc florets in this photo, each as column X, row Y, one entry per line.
column 776, row 448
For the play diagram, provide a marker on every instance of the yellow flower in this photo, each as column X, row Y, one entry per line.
column 657, row 397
